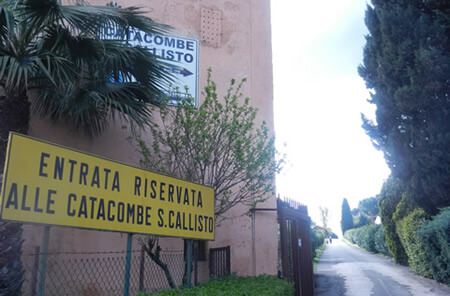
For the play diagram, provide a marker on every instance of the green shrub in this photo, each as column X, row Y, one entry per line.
column 415, row 249
column 435, row 237
column 380, row 241
column 367, row 237
column 349, row 235
column 263, row 285
column 363, row 237
column 361, row 220
column 390, row 196
column 317, row 240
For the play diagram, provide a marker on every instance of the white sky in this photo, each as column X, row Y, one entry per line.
column 319, row 96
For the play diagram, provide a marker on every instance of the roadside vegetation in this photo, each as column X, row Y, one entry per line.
column 405, row 65
column 263, row 285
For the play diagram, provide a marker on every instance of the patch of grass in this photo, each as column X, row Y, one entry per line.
column 263, row 285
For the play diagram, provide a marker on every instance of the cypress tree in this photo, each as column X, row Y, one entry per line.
column 346, row 218
column 407, row 65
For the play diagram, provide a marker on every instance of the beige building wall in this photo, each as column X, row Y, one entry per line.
column 243, row 49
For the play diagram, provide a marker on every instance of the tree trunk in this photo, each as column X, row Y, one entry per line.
column 14, row 116
column 155, row 257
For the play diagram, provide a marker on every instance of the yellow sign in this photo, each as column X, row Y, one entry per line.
column 49, row 184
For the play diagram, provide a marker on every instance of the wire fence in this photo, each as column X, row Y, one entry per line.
column 99, row 274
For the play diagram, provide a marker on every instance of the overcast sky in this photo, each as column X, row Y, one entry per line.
column 319, row 97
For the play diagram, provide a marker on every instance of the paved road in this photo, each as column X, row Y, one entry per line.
column 344, row 270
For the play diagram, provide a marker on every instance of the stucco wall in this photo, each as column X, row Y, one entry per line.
column 243, row 50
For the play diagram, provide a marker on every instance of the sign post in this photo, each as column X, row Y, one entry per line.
column 188, row 263
column 126, row 289
column 43, row 263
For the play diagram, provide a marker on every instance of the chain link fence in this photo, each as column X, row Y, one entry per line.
column 97, row 274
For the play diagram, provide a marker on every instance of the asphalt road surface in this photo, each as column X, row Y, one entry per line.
column 344, row 270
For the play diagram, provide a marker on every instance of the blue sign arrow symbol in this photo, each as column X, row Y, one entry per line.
column 182, row 71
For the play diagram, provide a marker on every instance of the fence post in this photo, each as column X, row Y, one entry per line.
column 142, row 270
column 34, row 271
column 126, row 289
column 188, row 262
column 43, row 263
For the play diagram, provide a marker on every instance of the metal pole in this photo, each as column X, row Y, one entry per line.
column 188, row 262
column 43, row 263
column 35, row 271
column 253, row 235
column 126, row 289
column 142, row 270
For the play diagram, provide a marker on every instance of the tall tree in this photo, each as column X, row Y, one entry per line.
column 324, row 216
column 54, row 50
column 369, row 206
column 346, row 216
column 407, row 66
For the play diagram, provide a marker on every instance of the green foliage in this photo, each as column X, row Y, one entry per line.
column 346, row 216
column 369, row 206
column 415, row 249
column 390, row 196
column 434, row 237
column 317, row 239
column 406, row 64
column 363, row 237
column 350, row 236
column 263, row 285
column 380, row 241
column 216, row 145
column 55, row 50
column 361, row 220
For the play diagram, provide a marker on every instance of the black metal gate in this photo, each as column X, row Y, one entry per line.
column 295, row 246
column 219, row 261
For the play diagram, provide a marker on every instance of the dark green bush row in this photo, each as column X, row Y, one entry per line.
column 435, row 238
column 407, row 232
column 317, row 240
column 369, row 237
column 263, row 285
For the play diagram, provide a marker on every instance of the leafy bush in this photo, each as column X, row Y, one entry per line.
column 390, row 196
column 350, row 235
column 317, row 239
column 380, row 241
column 361, row 220
column 369, row 237
column 263, row 285
column 415, row 249
column 434, row 236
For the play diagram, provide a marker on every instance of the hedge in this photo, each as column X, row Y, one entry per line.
column 435, row 238
column 369, row 237
column 390, row 196
column 263, row 285
column 317, row 240
column 380, row 242
column 415, row 249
